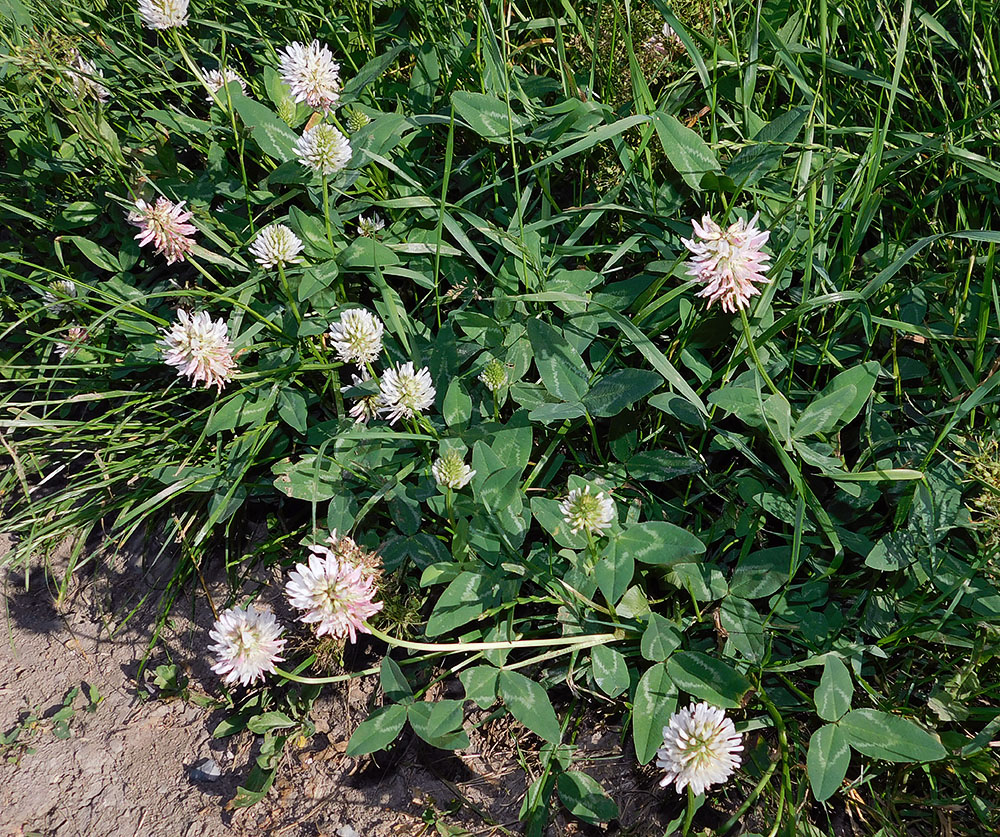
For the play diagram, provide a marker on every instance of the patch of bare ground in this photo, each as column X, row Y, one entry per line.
column 126, row 765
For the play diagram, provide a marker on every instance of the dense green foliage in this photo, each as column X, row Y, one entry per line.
column 806, row 514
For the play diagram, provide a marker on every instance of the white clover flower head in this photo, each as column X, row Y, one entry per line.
column 728, row 262
column 323, row 149
column 450, row 470
column 85, row 79
column 215, row 80
column 276, row 245
column 164, row 225
column 335, row 589
column 357, row 336
column 247, row 644
column 366, row 408
column 590, row 512
column 311, row 74
column 200, row 349
column 75, row 337
column 494, row 375
column 370, row 227
column 163, row 14
column 700, row 748
column 61, row 295
column 404, row 392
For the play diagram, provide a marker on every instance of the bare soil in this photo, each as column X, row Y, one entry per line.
column 128, row 765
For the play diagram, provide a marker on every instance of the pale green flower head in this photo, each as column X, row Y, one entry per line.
column 355, row 120
column 450, row 470
column 494, row 375
column 592, row 513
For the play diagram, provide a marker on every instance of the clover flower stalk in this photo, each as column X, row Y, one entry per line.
column 274, row 247
column 335, row 589
column 494, row 376
column 247, row 644
column 326, row 151
column 700, row 748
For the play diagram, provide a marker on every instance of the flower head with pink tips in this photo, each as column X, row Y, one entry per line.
column 336, row 588
column 164, row 224
column 728, row 261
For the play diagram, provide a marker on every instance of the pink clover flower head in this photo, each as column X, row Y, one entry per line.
column 700, row 748
column 728, row 262
column 200, row 349
column 247, row 644
column 164, row 224
column 335, row 589
column 75, row 337
column 311, row 74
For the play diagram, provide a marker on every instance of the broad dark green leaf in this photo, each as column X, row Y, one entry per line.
column 889, row 737
column 462, row 601
column 761, row 573
column 827, row 760
column 487, row 115
column 709, row 679
column 661, row 465
column 824, row 412
column 529, row 704
column 687, row 152
column 394, row 683
column 561, row 368
column 378, row 731
column 619, row 390
column 270, row 133
column 835, row 690
column 660, row 639
column 744, row 626
column 613, row 572
column 610, row 670
column 658, row 542
column 655, row 701
column 259, row 724
column 769, row 143
column 439, row 723
column 480, row 684
column 584, row 797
